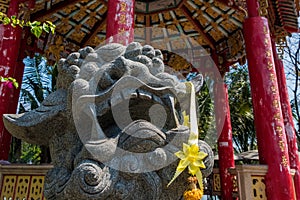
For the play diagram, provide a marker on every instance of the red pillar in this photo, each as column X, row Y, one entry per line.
column 120, row 21
column 9, row 47
column 272, row 144
column 225, row 148
column 288, row 120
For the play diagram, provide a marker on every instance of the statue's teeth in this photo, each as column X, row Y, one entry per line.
column 134, row 95
column 145, row 95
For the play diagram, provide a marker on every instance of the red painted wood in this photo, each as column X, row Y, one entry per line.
column 120, row 21
column 288, row 120
column 225, row 148
column 272, row 144
column 252, row 6
column 9, row 47
column 11, row 65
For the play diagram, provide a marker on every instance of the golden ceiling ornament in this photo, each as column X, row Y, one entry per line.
column 242, row 5
column 232, row 49
column 263, row 8
column 54, row 50
column 95, row 40
column 206, row 23
column 69, row 9
column 178, row 63
column 236, row 45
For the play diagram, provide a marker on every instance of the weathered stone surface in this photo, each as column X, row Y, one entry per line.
column 112, row 126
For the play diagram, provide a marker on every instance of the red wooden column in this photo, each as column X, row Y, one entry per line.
column 120, row 21
column 288, row 120
column 272, row 144
column 225, row 148
column 9, row 47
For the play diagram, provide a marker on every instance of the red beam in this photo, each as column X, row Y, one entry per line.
column 252, row 6
column 271, row 138
column 10, row 39
column 120, row 21
column 225, row 148
column 288, row 120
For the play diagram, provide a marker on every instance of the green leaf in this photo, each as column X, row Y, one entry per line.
column 50, row 23
column 52, row 29
column 14, row 21
column 51, row 26
column 37, row 31
column 46, row 27
column 21, row 23
column 2, row 15
column 36, row 27
column 35, row 23
column 6, row 20
column 16, row 84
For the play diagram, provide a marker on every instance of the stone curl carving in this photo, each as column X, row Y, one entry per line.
column 112, row 126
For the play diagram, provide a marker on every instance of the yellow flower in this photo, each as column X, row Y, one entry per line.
column 192, row 158
column 194, row 194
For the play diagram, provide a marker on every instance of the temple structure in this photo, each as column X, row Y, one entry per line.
column 228, row 31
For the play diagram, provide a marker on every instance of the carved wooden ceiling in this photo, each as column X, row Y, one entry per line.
column 212, row 24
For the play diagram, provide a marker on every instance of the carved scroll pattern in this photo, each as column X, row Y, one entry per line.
column 4, row 4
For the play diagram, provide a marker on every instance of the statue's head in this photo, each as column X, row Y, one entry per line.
column 115, row 112
column 123, row 98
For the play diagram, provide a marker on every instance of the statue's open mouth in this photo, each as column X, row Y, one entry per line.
column 131, row 115
column 127, row 101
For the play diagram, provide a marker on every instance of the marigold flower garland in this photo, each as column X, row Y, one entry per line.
column 191, row 157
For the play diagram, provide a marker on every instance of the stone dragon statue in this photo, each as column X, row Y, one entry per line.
column 112, row 126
